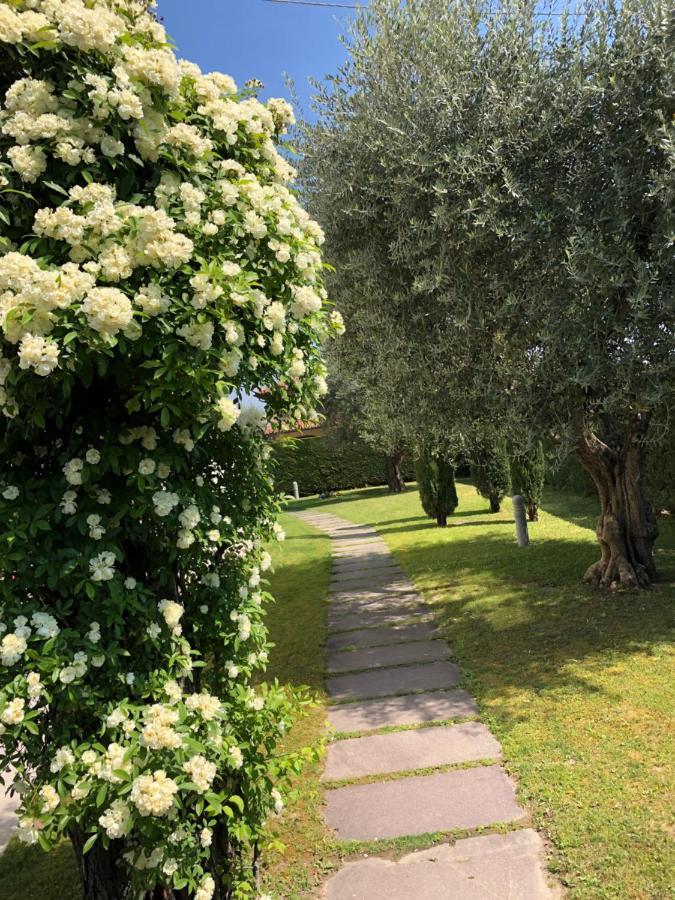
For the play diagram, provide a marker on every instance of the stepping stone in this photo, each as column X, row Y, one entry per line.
column 380, row 637
column 349, row 564
column 369, row 579
column 392, row 604
column 392, row 655
column 341, row 537
column 387, row 584
column 411, row 709
column 363, row 599
column 418, row 613
column 370, row 552
column 364, row 570
column 465, row 798
column 403, row 751
column 386, row 682
column 499, row 866
column 397, row 588
column 348, row 561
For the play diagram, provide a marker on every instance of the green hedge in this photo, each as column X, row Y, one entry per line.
column 329, row 462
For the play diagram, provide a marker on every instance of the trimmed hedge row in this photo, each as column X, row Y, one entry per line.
column 329, row 462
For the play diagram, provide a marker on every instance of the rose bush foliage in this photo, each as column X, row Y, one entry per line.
column 154, row 268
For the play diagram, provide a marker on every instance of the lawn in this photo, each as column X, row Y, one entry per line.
column 578, row 686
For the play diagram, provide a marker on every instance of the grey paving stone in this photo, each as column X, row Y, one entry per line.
column 403, row 751
column 465, row 798
column 365, row 619
column 342, row 536
column 489, row 867
column 388, row 655
column 411, row 709
column 379, row 570
column 371, row 551
column 398, row 588
column 401, row 680
column 369, row 578
column 349, row 564
column 380, row 637
column 392, row 603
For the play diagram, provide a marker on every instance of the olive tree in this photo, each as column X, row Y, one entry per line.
column 506, row 181
column 155, row 267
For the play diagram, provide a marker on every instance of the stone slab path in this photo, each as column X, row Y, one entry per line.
column 408, row 755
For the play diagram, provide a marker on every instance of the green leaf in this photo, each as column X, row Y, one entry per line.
column 89, row 843
column 101, row 794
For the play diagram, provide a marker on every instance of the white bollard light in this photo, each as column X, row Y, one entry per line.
column 296, row 490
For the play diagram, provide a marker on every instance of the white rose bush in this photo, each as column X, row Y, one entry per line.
column 155, row 268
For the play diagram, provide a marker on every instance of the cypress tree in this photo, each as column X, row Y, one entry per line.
column 436, row 484
column 491, row 474
column 527, row 477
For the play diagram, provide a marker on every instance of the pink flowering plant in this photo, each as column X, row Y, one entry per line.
column 155, row 268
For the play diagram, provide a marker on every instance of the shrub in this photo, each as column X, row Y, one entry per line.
column 436, row 484
column 527, row 479
column 151, row 274
column 491, row 475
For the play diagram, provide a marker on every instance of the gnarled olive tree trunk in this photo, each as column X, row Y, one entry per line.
column 393, row 467
column 627, row 525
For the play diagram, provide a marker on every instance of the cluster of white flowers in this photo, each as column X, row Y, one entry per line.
column 106, row 766
column 102, row 567
column 153, row 795
column 164, row 502
column 158, row 732
column 12, row 648
column 116, row 820
column 49, row 797
column 201, row 772
column 228, row 413
column 13, row 713
column 205, row 704
column 63, row 757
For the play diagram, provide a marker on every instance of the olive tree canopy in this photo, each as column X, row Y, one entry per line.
column 497, row 192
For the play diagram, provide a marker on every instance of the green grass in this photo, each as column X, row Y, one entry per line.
column 27, row 873
column 577, row 685
column 297, row 625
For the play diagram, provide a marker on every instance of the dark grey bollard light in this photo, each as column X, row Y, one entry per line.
column 296, row 491
column 521, row 521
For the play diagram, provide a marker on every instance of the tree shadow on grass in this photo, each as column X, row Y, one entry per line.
column 521, row 618
column 426, row 525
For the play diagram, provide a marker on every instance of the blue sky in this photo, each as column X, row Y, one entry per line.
column 258, row 39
